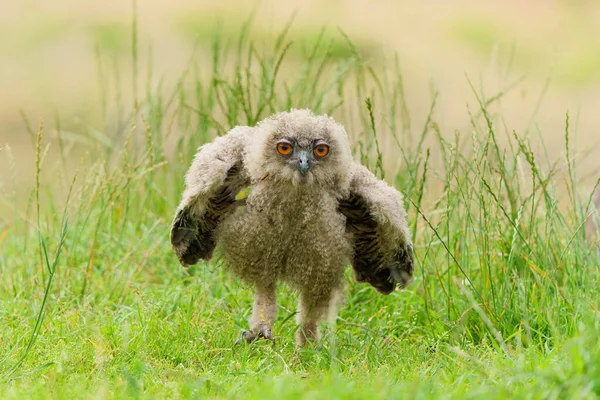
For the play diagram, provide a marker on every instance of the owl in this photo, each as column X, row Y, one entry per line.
column 310, row 211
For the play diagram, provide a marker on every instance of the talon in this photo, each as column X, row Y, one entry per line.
column 266, row 332
column 248, row 336
column 263, row 332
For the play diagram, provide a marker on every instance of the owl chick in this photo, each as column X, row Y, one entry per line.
column 310, row 211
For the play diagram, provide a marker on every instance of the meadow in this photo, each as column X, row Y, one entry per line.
column 504, row 303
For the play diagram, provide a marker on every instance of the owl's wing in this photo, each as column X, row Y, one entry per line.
column 215, row 178
column 376, row 221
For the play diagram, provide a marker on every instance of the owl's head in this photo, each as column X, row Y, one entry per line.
column 301, row 148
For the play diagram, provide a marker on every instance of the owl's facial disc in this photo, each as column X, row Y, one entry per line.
column 302, row 158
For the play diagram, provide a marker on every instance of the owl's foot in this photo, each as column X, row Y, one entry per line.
column 262, row 331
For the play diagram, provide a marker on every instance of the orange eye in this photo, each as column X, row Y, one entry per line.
column 284, row 148
column 321, row 150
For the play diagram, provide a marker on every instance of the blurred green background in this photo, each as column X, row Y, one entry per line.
column 62, row 60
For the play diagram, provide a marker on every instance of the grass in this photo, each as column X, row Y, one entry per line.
column 95, row 305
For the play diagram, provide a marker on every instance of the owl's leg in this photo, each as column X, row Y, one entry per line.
column 263, row 316
column 312, row 309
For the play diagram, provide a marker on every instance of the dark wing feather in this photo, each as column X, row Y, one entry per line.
column 213, row 181
column 376, row 221
column 192, row 235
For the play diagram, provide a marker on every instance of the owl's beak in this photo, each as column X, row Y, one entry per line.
column 303, row 162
